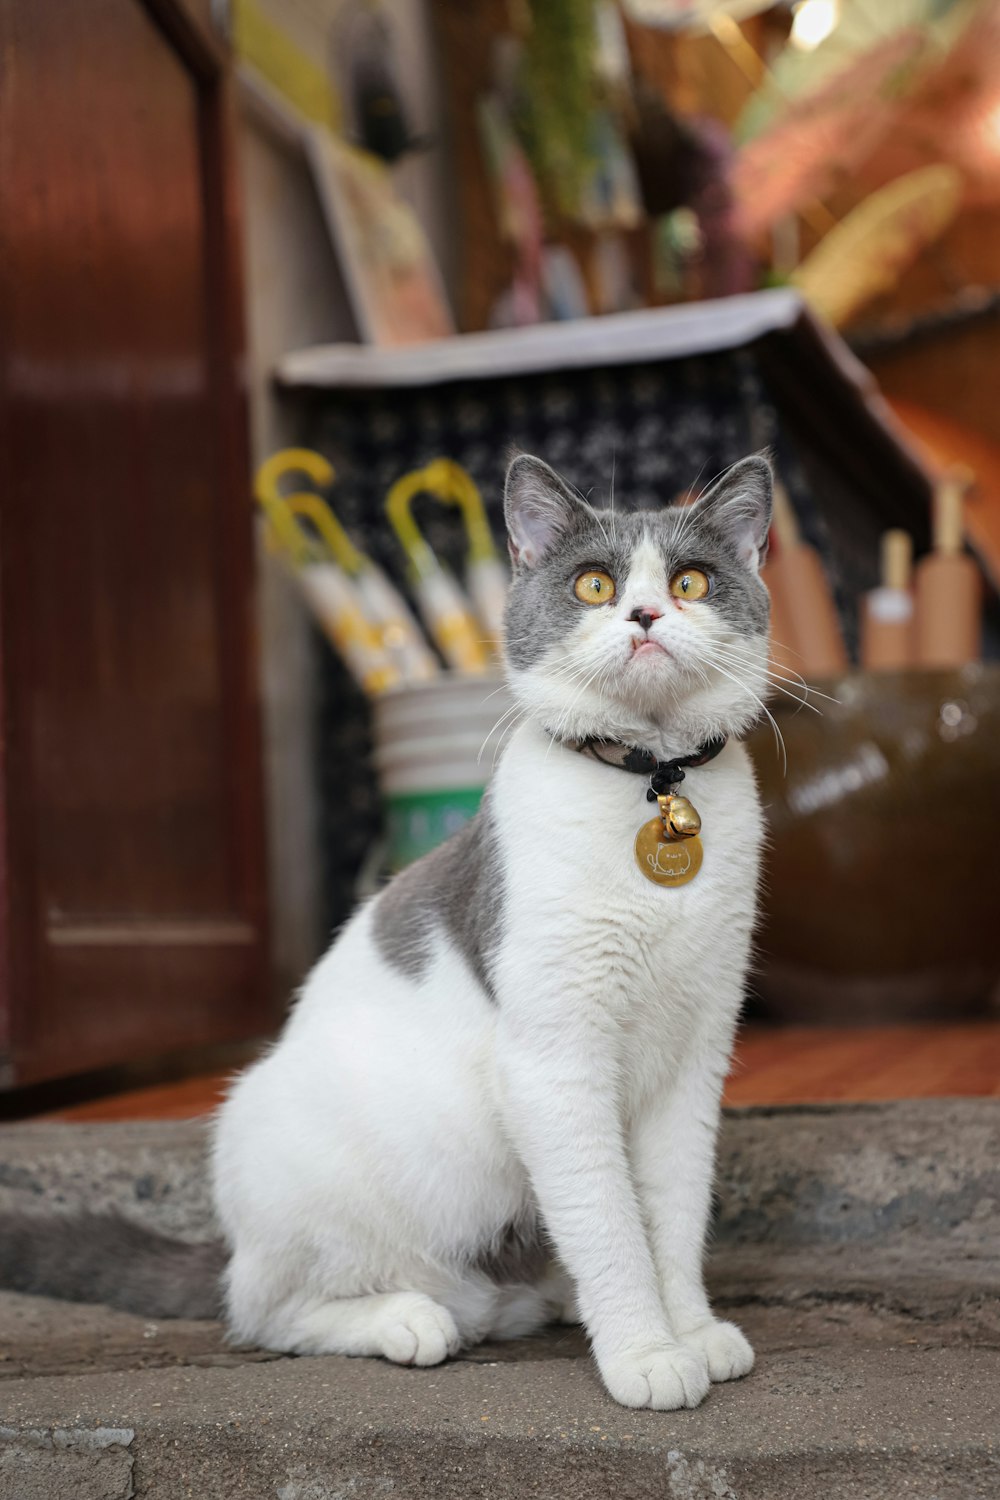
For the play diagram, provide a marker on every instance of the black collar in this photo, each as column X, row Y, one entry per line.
column 663, row 774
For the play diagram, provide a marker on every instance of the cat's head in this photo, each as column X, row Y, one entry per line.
column 651, row 627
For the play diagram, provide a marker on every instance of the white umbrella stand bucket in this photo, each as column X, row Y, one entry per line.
column 434, row 753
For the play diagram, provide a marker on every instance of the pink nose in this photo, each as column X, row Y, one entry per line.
column 644, row 615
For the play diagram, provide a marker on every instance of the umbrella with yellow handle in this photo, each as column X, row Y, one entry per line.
column 284, row 531
column 399, row 633
column 331, row 596
column 444, row 607
column 486, row 575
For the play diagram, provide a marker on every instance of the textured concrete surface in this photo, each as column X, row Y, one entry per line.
column 151, row 1171
column 858, row 1247
column 914, row 1422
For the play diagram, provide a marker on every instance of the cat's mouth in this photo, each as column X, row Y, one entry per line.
column 648, row 647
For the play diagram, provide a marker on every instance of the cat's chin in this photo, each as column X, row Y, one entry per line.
column 651, row 700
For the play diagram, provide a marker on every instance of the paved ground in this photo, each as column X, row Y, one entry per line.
column 859, row 1248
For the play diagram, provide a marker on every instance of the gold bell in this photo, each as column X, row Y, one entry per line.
column 680, row 818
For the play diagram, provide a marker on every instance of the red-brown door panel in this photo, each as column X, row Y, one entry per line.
column 134, row 851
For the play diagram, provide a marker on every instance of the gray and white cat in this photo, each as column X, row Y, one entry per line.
column 495, row 1102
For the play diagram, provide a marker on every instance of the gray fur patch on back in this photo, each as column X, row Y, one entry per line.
column 458, row 888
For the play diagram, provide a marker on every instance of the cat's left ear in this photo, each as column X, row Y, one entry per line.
column 539, row 509
column 739, row 507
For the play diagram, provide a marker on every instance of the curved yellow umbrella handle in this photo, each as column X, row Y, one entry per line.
column 268, row 495
column 292, row 461
column 340, row 546
column 397, row 508
column 443, row 605
column 455, row 486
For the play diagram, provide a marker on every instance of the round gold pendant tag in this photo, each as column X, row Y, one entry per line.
column 666, row 861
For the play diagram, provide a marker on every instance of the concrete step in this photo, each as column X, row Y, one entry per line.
column 824, row 1173
column 858, row 1247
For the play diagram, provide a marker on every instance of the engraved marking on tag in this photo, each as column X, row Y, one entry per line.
column 666, row 861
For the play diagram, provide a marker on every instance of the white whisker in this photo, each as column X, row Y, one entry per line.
column 779, row 737
column 513, row 708
column 734, row 660
column 779, row 676
column 505, row 735
column 563, row 721
column 783, row 647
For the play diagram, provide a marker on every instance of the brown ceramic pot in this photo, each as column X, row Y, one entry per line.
column 882, row 884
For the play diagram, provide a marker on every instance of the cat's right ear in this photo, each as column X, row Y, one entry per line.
column 538, row 508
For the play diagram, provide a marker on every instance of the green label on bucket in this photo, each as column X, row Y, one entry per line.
column 416, row 822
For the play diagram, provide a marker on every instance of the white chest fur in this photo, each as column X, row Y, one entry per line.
column 649, row 960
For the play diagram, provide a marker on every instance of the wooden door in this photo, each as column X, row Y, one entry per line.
column 133, row 910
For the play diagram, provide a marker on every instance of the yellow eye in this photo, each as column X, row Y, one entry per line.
column 689, row 583
column 595, row 587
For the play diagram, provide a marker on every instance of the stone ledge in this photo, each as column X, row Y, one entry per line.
column 859, row 1247
column 794, row 1175
column 855, row 1426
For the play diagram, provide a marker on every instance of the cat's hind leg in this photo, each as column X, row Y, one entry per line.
column 270, row 1302
column 413, row 1328
column 443, row 1310
column 408, row 1328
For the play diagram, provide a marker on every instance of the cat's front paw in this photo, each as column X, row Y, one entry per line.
column 722, row 1347
column 661, row 1377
